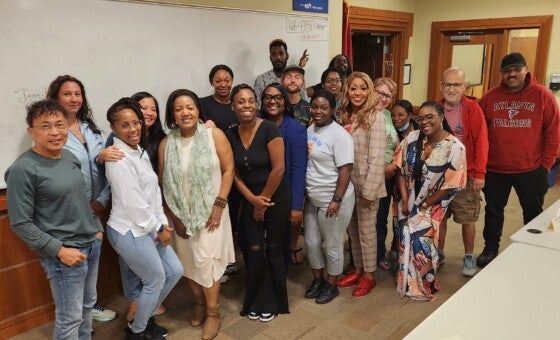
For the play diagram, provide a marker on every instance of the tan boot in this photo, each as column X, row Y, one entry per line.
column 212, row 324
column 198, row 313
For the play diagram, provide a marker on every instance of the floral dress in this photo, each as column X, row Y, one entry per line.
column 445, row 168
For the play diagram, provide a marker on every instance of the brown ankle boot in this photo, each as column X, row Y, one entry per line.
column 212, row 324
column 198, row 313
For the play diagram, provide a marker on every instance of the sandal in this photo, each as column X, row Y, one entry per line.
column 295, row 259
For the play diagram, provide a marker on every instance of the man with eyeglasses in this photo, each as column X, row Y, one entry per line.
column 293, row 81
column 466, row 120
column 49, row 211
column 523, row 133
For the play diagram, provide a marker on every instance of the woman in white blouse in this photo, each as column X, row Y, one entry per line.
column 137, row 228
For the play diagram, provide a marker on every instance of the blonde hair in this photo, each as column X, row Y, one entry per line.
column 367, row 110
column 390, row 83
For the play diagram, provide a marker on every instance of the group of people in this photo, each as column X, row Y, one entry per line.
column 260, row 163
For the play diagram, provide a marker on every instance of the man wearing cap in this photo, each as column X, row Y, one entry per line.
column 278, row 57
column 466, row 119
column 292, row 79
column 523, row 134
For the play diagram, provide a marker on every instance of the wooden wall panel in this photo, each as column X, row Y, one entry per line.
column 25, row 296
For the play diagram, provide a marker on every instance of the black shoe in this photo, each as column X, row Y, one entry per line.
column 487, row 255
column 155, row 328
column 145, row 335
column 328, row 293
column 315, row 288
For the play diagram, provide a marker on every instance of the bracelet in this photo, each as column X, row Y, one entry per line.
column 220, row 202
column 336, row 199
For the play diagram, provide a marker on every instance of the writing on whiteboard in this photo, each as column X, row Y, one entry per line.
column 26, row 96
column 307, row 28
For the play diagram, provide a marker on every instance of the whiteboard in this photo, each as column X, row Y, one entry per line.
column 118, row 48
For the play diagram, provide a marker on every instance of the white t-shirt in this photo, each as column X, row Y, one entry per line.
column 330, row 147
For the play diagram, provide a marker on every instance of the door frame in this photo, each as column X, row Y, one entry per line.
column 398, row 24
column 441, row 28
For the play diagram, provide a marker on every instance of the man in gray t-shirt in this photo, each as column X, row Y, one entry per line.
column 49, row 211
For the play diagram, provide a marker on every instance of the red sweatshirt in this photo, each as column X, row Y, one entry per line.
column 475, row 137
column 523, row 128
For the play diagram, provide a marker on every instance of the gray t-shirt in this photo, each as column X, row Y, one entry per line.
column 47, row 203
column 330, row 147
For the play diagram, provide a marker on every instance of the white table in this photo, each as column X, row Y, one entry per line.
column 548, row 238
column 516, row 296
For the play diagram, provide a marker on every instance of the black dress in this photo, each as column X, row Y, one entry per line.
column 262, row 242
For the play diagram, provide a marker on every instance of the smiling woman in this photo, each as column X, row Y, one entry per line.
column 196, row 171
column 367, row 127
column 137, row 224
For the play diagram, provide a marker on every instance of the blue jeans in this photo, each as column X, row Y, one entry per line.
column 74, row 293
column 132, row 285
column 158, row 268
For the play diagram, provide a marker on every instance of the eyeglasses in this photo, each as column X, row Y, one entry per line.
column 426, row 118
column 135, row 124
column 277, row 98
column 384, row 95
column 447, row 86
column 333, row 81
column 48, row 127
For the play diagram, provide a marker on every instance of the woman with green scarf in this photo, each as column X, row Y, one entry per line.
column 196, row 167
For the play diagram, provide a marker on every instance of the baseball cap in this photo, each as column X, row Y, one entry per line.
column 514, row 59
column 294, row 68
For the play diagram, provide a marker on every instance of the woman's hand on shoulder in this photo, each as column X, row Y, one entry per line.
column 209, row 124
column 110, row 154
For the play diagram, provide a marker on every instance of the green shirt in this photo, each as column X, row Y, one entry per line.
column 392, row 137
column 47, row 203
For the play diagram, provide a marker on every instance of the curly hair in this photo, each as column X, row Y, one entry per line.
column 84, row 114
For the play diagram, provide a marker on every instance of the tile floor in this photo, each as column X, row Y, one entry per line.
column 381, row 315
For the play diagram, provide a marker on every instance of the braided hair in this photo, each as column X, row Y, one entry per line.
column 419, row 147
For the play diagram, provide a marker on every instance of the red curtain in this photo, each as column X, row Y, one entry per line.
column 346, row 33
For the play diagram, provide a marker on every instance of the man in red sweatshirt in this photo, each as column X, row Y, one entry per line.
column 466, row 120
column 523, row 133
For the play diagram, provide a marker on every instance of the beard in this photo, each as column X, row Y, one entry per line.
column 279, row 66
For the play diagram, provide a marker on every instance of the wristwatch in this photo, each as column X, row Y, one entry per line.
column 425, row 205
column 161, row 228
column 336, row 199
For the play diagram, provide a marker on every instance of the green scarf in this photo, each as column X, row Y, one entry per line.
column 195, row 212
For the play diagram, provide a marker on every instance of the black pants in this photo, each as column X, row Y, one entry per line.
column 530, row 188
column 265, row 288
column 382, row 215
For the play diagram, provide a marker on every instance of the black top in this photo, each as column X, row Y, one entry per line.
column 302, row 112
column 221, row 114
column 253, row 163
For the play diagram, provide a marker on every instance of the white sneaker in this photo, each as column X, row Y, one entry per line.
column 98, row 313
column 253, row 316
column 266, row 317
column 469, row 266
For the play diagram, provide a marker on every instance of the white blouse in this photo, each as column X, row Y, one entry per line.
column 136, row 196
